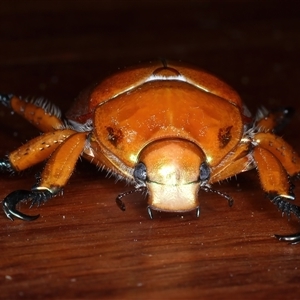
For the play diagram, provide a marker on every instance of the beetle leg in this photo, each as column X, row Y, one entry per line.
column 272, row 156
column 234, row 163
column 150, row 214
column 287, row 208
column 10, row 202
column 34, row 151
column 42, row 114
column 292, row 238
column 198, row 211
column 273, row 121
column 273, row 176
column 24, row 157
column 5, row 99
column 55, row 175
column 275, row 181
column 61, row 164
column 280, row 149
column 5, row 165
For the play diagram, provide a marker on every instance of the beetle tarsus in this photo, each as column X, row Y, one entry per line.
column 198, row 212
column 5, row 166
column 291, row 191
column 40, row 196
column 150, row 214
column 5, row 99
column 286, row 207
column 292, row 238
column 10, row 202
column 37, row 197
column 284, row 118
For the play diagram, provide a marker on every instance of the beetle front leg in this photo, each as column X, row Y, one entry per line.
column 273, row 177
column 275, row 182
column 55, row 175
column 288, row 208
column 280, row 149
column 29, row 154
column 9, row 203
column 292, row 238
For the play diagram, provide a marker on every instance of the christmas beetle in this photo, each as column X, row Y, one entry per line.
column 168, row 128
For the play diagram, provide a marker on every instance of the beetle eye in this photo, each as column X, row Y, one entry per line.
column 140, row 173
column 204, row 171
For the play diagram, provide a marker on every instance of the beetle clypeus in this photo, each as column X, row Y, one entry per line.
column 168, row 128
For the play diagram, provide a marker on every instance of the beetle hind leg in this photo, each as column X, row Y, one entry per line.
column 274, row 121
column 41, row 113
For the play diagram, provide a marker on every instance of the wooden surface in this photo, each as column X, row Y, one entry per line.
column 83, row 246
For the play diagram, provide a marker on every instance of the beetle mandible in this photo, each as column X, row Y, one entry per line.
column 168, row 128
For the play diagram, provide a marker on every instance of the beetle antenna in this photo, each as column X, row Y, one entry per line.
column 227, row 197
column 119, row 201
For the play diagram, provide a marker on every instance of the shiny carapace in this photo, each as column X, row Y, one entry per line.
column 168, row 128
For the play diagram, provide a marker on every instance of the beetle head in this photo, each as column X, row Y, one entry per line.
column 172, row 170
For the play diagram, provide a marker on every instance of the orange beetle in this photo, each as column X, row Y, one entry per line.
column 168, row 128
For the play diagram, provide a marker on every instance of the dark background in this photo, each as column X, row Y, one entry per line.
column 83, row 246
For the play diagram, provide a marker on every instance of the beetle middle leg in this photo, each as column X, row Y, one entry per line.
column 24, row 157
column 54, row 176
column 10, row 201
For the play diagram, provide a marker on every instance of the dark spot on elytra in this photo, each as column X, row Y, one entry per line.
column 224, row 136
column 114, row 136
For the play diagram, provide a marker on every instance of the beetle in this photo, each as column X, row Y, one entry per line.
column 166, row 127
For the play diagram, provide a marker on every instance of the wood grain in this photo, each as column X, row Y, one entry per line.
column 83, row 246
